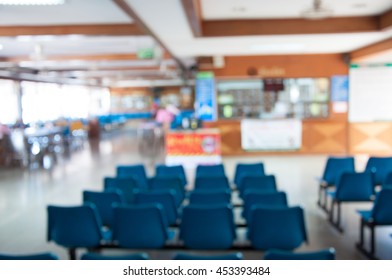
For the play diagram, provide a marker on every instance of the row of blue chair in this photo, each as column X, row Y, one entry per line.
column 202, row 227
column 324, row 254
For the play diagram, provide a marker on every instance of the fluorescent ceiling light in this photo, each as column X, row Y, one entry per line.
column 32, row 2
column 1, row 47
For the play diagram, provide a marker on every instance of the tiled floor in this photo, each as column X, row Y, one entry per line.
column 24, row 196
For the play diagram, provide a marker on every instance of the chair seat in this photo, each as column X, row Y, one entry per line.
column 366, row 215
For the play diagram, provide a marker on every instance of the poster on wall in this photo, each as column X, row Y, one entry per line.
column 205, row 103
column 271, row 135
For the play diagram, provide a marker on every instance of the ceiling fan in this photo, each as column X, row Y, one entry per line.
column 317, row 11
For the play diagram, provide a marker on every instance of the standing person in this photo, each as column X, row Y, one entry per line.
column 165, row 116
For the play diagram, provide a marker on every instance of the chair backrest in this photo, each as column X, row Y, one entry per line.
column 136, row 171
column 95, row 256
column 325, row 254
column 210, row 197
column 211, row 182
column 277, row 228
column 210, row 170
column 40, row 256
column 246, row 169
column 126, row 186
column 140, row 226
column 169, row 183
column 265, row 183
column 252, row 199
column 380, row 167
column 335, row 167
column 388, row 180
column 104, row 202
column 382, row 210
column 355, row 186
column 207, row 227
column 167, row 198
column 74, row 226
column 232, row 256
column 176, row 170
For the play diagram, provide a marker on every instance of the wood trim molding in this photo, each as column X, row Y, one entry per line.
column 217, row 28
column 386, row 20
column 372, row 49
column 84, row 29
column 192, row 10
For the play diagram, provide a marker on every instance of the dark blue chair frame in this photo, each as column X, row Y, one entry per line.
column 379, row 215
column 325, row 254
column 334, row 168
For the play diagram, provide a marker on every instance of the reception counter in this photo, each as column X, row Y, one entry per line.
column 317, row 137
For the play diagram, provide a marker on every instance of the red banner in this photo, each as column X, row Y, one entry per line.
column 193, row 143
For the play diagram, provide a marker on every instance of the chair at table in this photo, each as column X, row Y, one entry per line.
column 277, row 228
column 256, row 198
column 209, row 197
column 334, row 168
column 207, row 227
column 352, row 187
column 379, row 215
column 266, row 183
column 211, row 183
column 135, row 256
column 142, row 226
column 104, row 202
column 169, row 183
column 174, row 170
column 38, row 256
column 247, row 169
column 231, row 256
column 210, row 170
column 76, row 227
column 167, row 198
column 325, row 254
column 380, row 167
column 136, row 171
column 126, row 186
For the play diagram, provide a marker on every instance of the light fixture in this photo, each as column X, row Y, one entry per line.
column 317, row 11
column 31, row 2
column 1, row 47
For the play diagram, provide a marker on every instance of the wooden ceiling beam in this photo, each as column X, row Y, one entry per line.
column 192, row 10
column 386, row 20
column 379, row 47
column 217, row 28
column 82, row 29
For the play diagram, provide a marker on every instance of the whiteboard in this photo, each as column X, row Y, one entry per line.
column 283, row 134
column 370, row 90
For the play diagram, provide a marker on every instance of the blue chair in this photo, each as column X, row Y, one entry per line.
column 76, row 227
column 40, row 256
column 379, row 215
column 142, row 226
column 126, row 186
column 135, row 256
column 207, row 227
column 232, row 256
column 136, row 171
column 252, row 199
column 169, row 183
column 247, row 169
column 325, row 254
column 277, row 228
column 380, row 167
column 334, row 168
column 212, row 183
column 352, row 187
column 167, row 198
column 175, row 170
column 265, row 183
column 388, row 181
column 104, row 202
column 210, row 170
column 210, row 197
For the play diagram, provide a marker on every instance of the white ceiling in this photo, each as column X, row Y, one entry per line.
column 251, row 9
